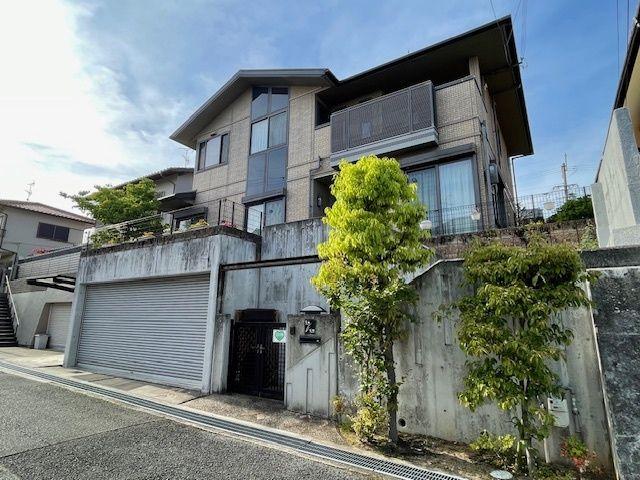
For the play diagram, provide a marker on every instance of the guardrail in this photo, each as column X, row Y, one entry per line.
column 221, row 213
column 12, row 305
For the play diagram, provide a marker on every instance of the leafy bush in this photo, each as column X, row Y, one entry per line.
column 371, row 418
column 574, row 209
column 577, row 451
column 499, row 450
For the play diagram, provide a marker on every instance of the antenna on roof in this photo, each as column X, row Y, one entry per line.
column 186, row 156
column 29, row 190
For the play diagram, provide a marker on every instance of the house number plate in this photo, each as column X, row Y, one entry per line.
column 279, row 336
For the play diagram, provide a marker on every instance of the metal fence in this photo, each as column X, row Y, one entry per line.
column 223, row 212
column 541, row 206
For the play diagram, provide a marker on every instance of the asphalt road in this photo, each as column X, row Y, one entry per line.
column 49, row 432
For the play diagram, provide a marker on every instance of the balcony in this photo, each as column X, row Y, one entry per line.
column 398, row 121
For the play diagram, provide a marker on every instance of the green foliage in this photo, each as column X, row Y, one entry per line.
column 577, row 451
column 588, row 239
column 371, row 417
column 500, row 450
column 574, row 209
column 116, row 205
column 510, row 328
column 374, row 240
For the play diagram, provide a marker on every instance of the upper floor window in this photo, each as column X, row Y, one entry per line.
column 266, row 100
column 53, row 232
column 213, row 151
column 269, row 112
column 268, row 150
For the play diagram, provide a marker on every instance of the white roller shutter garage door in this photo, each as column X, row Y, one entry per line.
column 58, row 325
column 150, row 330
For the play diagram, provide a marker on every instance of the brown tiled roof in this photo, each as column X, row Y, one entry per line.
column 46, row 209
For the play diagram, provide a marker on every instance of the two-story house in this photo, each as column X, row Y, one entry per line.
column 30, row 228
column 452, row 114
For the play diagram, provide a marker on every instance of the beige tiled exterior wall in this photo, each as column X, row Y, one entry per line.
column 460, row 110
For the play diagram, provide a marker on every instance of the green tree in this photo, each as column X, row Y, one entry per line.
column 574, row 209
column 110, row 205
column 374, row 240
column 510, row 328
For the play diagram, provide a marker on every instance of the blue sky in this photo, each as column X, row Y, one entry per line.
column 95, row 88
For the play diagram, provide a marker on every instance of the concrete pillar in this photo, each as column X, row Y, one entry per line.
column 207, row 368
column 71, row 351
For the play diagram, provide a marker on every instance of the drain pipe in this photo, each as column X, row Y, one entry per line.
column 487, row 175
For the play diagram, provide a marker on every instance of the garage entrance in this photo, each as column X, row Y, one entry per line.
column 58, row 325
column 257, row 355
column 151, row 330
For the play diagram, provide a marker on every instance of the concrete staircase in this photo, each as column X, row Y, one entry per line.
column 7, row 335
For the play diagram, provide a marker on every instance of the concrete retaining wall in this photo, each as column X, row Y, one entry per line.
column 616, row 202
column 433, row 366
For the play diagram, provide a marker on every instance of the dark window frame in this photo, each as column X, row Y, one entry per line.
column 263, row 202
column 205, row 141
column 270, row 148
column 54, row 232
column 436, row 165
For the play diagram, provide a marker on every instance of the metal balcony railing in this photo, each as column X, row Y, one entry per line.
column 403, row 112
column 223, row 212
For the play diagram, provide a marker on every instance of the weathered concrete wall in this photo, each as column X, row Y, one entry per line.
column 295, row 239
column 285, row 288
column 184, row 254
column 433, row 366
column 311, row 368
column 32, row 305
column 616, row 201
column 617, row 319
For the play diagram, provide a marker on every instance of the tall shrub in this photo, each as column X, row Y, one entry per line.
column 510, row 329
column 374, row 240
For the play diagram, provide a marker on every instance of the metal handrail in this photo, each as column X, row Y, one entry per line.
column 12, row 305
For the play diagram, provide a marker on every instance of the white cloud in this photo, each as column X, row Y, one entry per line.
column 61, row 115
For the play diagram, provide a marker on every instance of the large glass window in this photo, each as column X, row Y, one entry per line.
column 214, row 151
column 268, row 151
column 448, row 191
column 265, row 214
column 259, row 136
column 260, row 102
column 266, row 171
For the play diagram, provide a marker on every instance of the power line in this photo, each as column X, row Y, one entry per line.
column 618, row 35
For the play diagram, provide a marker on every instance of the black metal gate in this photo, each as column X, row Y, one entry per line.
column 257, row 363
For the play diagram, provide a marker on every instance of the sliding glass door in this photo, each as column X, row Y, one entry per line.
column 448, row 191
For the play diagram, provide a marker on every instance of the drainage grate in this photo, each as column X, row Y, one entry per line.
column 377, row 465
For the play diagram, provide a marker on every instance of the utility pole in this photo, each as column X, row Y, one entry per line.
column 563, row 168
column 29, row 190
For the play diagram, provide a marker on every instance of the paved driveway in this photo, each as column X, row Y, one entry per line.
column 49, row 432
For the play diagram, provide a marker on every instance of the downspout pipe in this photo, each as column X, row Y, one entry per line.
column 491, row 221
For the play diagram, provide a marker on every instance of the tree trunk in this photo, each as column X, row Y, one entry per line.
column 392, row 401
column 525, row 436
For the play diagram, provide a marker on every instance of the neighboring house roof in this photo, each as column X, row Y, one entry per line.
column 167, row 172
column 493, row 44
column 242, row 80
column 46, row 210
column 629, row 62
